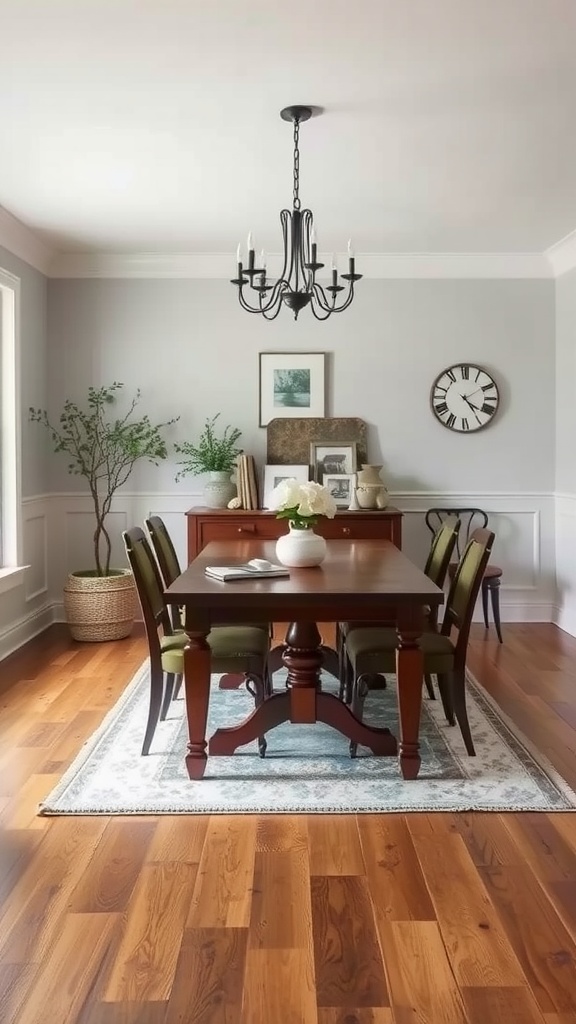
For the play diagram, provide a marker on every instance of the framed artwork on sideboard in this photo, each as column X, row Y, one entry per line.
column 273, row 475
column 332, row 458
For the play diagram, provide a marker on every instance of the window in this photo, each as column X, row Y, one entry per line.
column 10, row 483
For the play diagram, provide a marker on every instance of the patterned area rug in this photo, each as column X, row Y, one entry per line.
column 307, row 767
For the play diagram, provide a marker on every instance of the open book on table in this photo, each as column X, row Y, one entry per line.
column 245, row 571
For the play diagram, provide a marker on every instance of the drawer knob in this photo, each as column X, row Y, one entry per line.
column 247, row 529
column 346, row 530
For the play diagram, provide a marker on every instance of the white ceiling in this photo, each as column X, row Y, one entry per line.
column 152, row 126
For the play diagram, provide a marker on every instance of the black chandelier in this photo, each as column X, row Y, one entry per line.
column 297, row 286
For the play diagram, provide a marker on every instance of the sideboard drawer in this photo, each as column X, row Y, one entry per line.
column 237, row 529
column 359, row 528
column 205, row 525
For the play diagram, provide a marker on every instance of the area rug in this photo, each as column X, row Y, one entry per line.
column 307, row 768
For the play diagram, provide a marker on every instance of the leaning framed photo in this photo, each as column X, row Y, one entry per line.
column 273, row 475
column 332, row 458
column 341, row 487
column 292, row 384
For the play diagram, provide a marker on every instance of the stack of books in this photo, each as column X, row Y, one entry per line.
column 246, row 482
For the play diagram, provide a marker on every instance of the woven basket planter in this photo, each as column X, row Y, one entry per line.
column 100, row 607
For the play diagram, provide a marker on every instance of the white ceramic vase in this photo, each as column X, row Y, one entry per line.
column 219, row 489
column 299, row 549
column 371, row 492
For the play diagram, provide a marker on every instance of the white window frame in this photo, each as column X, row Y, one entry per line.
column 11, row 567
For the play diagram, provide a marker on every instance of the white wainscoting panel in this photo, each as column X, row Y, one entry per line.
column 28, row 608
column 565, row 612
column 535, row 533
column 35, row 547
column 524, row 545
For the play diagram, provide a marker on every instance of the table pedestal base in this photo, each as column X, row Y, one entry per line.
column 304, row 702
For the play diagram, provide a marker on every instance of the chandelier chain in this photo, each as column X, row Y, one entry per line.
column 296, row 201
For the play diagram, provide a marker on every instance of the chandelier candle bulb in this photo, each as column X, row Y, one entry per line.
column 239, row 256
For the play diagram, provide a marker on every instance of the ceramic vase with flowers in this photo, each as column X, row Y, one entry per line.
column 302, row 505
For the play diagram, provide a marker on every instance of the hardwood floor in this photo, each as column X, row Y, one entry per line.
column 391, row 919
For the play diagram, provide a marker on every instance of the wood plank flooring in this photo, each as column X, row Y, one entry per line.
column 375, row 919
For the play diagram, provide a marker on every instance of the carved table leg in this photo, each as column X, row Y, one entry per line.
column 409, row 672
column 197, row 667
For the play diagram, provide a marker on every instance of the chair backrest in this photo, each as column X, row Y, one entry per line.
column 149, row 586
column 163, row 549
column 464, row 589
column 441, row 549
column 167, row 560
column 470, row 518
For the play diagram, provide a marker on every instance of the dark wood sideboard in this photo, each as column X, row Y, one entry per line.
column 207, row 524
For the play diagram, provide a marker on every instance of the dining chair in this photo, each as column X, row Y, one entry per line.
column 436, row 567
column 373, row 650
column 238, row 649
column 170, row 570
column 472, row 519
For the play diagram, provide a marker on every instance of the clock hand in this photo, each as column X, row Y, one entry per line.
column 474, row 408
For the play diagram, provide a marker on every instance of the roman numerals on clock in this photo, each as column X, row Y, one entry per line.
column 464, row 398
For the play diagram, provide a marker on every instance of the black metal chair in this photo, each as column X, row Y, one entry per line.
column 472, row 519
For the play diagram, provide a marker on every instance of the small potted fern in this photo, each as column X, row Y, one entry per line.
column 215, row 455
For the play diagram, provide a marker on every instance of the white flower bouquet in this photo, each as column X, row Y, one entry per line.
column 302, row 504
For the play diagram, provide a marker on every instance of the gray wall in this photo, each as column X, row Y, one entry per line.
column 566, row 383
column 565, row 526
column 193, row 352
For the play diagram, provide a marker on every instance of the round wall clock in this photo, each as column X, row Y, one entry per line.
column 464, row 397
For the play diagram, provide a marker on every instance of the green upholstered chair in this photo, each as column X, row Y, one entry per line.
column 239, row 649
column 472, row 519
column 373, row 650
column 436, row 568
column 170, row 570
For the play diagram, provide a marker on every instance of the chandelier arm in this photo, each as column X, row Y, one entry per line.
column 313, row 307
column 307, row 222
column 348, row 300
column 320, row 296
column 255, row 309
column 285, row 220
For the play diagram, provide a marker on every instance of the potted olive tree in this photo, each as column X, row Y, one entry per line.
column 100, row 602
column 213, row 454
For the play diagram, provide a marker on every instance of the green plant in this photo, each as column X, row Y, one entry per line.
column 212, row 452
column 104, row 452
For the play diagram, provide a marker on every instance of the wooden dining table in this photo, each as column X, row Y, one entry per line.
column 356, row 582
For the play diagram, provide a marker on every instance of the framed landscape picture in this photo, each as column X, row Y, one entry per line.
column 292, row 385
column 273, row 475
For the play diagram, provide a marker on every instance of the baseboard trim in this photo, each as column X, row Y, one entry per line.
column 25, row 629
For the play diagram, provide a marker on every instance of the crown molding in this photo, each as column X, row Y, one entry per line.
column 562, row 255
column 221, row 266
column 23, row 243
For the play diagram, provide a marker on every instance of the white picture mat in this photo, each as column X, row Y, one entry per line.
column 274, row 474
column 314, row 362
column 344, row 493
